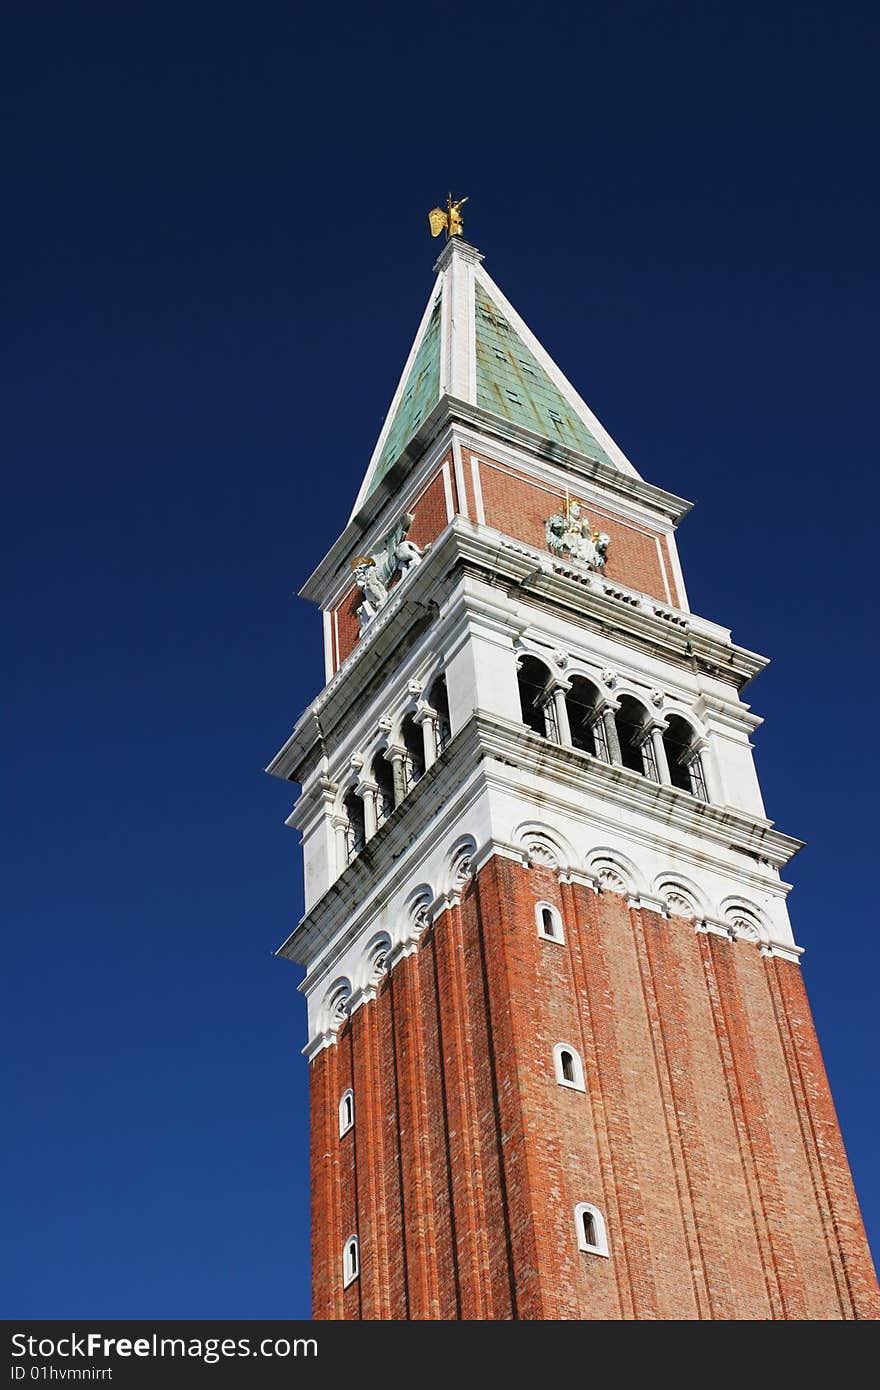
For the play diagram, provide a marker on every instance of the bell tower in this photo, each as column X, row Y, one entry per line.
column 561, row 1059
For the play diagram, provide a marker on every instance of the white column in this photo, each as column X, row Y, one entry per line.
column 660, row 758
column 340, row 830
column 563, row 728
column 611, row 738
column 397, row 758
column 367, row 792
column 429, row 720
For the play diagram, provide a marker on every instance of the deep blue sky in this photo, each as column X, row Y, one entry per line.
column 216, row 255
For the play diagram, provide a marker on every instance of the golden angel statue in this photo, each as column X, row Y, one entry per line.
column 449, row 220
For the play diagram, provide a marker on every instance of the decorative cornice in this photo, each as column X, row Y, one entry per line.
column 489, row 750
column 642, row 902
column 587, row 599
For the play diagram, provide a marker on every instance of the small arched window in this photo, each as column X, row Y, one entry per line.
column 590, row 1225
column 351, row 1266
column 568, row 1066
column 346, row 1112
column 549, row 922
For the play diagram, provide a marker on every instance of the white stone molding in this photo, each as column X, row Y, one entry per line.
column 337, row 1005
column 540, row 844
column 745, row 921
column 375, row 963
column 711, row 926
column 642, row 900
column 419, row 913
column 459, row 867
column 583, row 879
column 784, row 950
column 681, row 897
column 615, row 873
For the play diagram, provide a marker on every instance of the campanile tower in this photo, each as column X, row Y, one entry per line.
column 562, row 1063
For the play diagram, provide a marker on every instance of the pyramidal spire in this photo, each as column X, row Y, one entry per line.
column 472, row 346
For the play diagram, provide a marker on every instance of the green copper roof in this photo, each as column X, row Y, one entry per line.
column 512, row 383
column 420, row 395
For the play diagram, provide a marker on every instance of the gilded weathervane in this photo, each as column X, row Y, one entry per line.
column 449, row 220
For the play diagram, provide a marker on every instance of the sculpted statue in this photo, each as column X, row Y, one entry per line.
column 375, row 594
column 449, row 220
column 571, row 536
column 373, row 573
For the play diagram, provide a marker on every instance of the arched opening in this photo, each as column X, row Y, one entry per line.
column 383, row 776
column 532, row 678
column 356, row 832
column 566, row 1065
column 631, row 719
column 589, row 1225
column 685, row 766
column 582, row 702
column 438, row 699
column 414, row 743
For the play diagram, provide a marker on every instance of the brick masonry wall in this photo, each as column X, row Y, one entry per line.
column 519, row 507
column 706, row 1135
